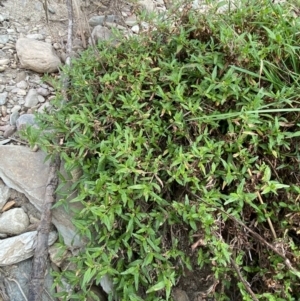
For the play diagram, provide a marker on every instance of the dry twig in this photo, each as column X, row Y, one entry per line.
column 41, row 251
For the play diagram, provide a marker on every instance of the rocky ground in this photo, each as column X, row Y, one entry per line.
column 30, row 47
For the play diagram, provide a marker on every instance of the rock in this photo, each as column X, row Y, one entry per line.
column 25, row 120
column 37, row 56
column 43, row 91
column 16, row 161
column 9, row 131
column 131, row 20
column 13, row 118
column 22, row 84
column 99, row 20
column 4, row 39
column 5, row 141
column 21, row 247
column 45, row 107
column 101, row 33
column 3, row 111
column 106, row 284
column 4, row 194
column 4, row 61
column 16, row 108
column 3, row 97
column 35, row 36
column 14, row 221
column 41, row 99
column 20, row 76
column 21, row 272
column 96, row 20
column 148, row 5
column 31, row 99
column 57, row 255
column 135, row 28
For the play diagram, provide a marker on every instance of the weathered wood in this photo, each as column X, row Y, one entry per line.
column 41, row 252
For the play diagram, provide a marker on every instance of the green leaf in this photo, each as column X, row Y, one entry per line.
column 157, row 287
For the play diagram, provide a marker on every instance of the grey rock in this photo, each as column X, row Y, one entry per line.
column 4, row 39
column 4, row 194
column 16, row 108
column 101, row 33
column 22, row 84
column 20, row 76
column 131, row 20
column 13, row 117
column 45, row 107
column 106, row 284
column 37, row 56
column 51, row 10
column 21, row 247
column 148, row 5
column 5, row 141
column 31, row 99
column 2, row 87
column 21, row 272
column 35, row 36
column 21, row 101
column 14, row 221
column 3, row 98
column 15, row 161
column 41, row 98
column 99, row 20
column 25, row 120
column 43, row 91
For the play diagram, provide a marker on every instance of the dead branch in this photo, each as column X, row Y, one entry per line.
column 245, row 283
column 41, row 251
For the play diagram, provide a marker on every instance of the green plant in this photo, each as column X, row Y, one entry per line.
column 181, row 132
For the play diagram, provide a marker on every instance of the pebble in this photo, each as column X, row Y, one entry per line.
column 3, row 98
column 4, row 61
column 16, row 109
column 20, row 76
column 4, row 39
column 43, row 91
column 35, row 36
column 41, row 98
column 9, row 131
column 25, row 119
column 99, row 20
column 13, row 117
column 135, row 28
column 3, row 111
column 22, row 84
column 31, row 99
